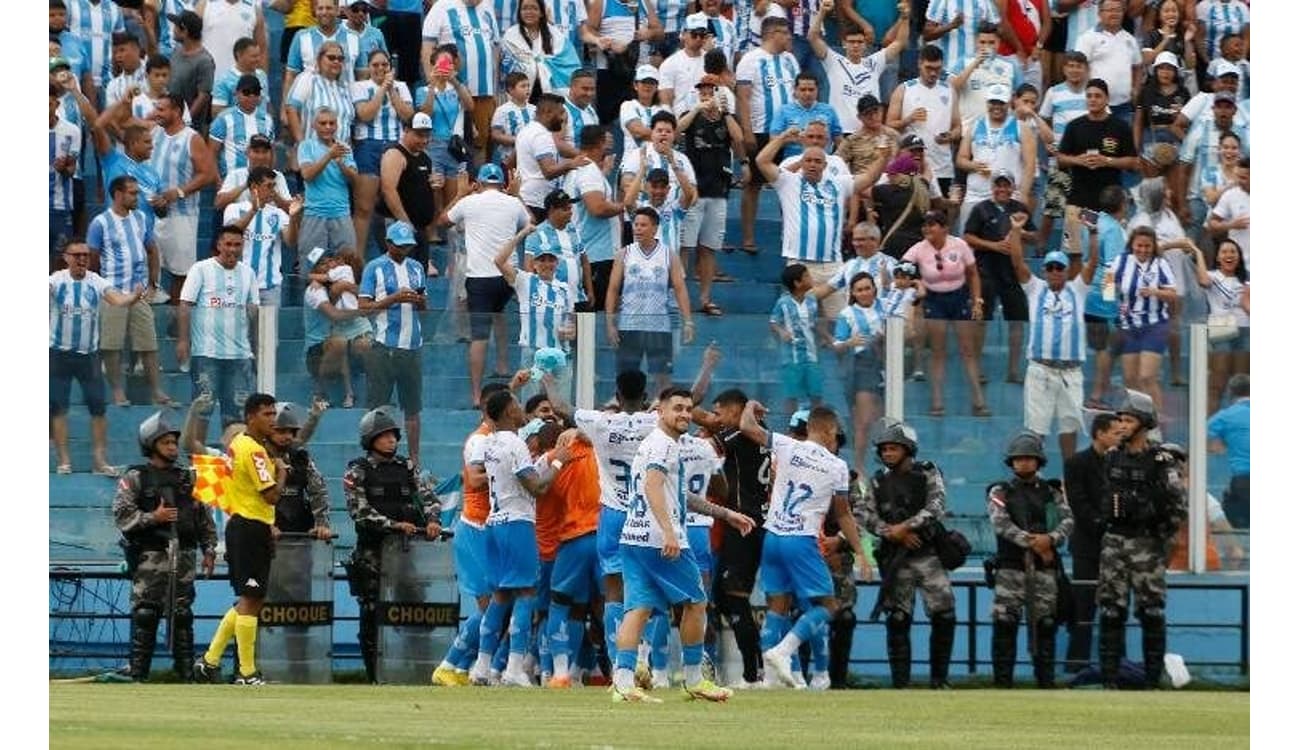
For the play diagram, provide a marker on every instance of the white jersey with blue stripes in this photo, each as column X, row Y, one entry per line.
column 812, row 216
column 311, row 92
column 505, row 460
column 223, row 89
column 997, row 146
column 398, row 326
column 657, row 453
column 65, row 140
column 117, row 88
column 565, row 15
column 647, row 286
column 615, row 436
column 543, row 307
column 856, row 319
column 1056, row 327
column 173, row 158
column 221, row 297
column 1084, row 18
column 808, row 478
column 857, row 264
column 725, row 37
column 1221, row 17
column 959, row 44
column 74, row 311
column 232, row 129
column 600, row 235
column 798, row 318
column 263, row 240
column 306, row 45
column 386, row 124
column 509, row 118
column 569, row 251
column 121, row 242
column 1131, row 276
column 96, row 22
column 475, row 33
column 771, row 80
column 1060, row 105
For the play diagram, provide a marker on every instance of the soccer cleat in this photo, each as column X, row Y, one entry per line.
column 799, row 682
column 480, row 679
column 252, row 679
column 516, row 679
column 462, row 678
column 635, row 695
column 743, row 685
column 559, row 682
column 706, row 690
column 820, row 681
column 776, row 665
column 445, row 677
column 642, row 677
column 658, row 681
column 205, row 672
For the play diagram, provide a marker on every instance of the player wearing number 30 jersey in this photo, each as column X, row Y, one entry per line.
column 811, row 481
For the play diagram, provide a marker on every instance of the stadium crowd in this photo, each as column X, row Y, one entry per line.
column 578, row 157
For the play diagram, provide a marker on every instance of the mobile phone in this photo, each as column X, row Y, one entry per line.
column 1088, row 216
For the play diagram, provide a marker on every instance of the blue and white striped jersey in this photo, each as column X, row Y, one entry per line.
column 796, row 317
column 578, row 119
column 74, row 311
column 812, row 216
column 263, row 240
column 397, row 327
column 672, row 14
column 1136, row 311
column 856, row 265
column 631, row 164
column 1084, row 18
column 310, row 92
column 221, row 297
column 506, row 13
column 771, row 80
column 647, row 287
column 121, row 242
column 543, row 306
column 1060, row 105
column 122, row 82
column 615, row 437
column 307, row 42
column 567, row 245
column 725, row 37
column 65, row 140
column 232, row 129
column 386, row 125
column 897, row 302
column 510, row 118
column 143, row 105
column 959, row 44
column 173, row 159
column 1201, row 150
column 700, row 461
column 566, row 15
column 369, row 39
column 223, row 89
column 1221, row 17
column 855, row 319
column 475, row 33
column 166, row 43
column 600, row 234
column 1056, row 327
column 116, row 163
column 95, row 21
column 631, row 111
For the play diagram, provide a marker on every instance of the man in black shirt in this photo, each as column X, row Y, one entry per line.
column 1096, row 148
column 986, row 232
column 1085, row 485
column 712, row 135
column 405, row 193
column 748, row 469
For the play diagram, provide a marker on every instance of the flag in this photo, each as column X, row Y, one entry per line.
column 211, row 479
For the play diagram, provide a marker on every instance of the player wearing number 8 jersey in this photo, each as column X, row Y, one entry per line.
column 813, row 481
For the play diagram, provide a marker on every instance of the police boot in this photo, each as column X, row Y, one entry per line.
column 841, row 646
column 1153, row 646
column 898, row 644
column 368, row 637
column 1004, row 653
column 183, row 644
column 144, row 633
column 1045, row 657
column 1078, row 653
column 943, row 627
column 1110, row 643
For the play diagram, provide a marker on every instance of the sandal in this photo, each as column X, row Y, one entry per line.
column 348, row 401
column 1095, row 405
column 63, row 469
column 723, row 278
column 981, row 410
column 711, row 309
column 750, row 250
column 936, row 411
column 107, row 471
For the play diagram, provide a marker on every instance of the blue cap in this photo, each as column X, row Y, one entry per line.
column 531, row 429
column 1056, row 256
column 401, row 233
column 799, row 419
column 491, row 173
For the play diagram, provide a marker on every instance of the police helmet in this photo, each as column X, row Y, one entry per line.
column 1026, row 444
column 152, row 429
column 287, row 416
column 1140, row 405
column 375, row 423
column 1175, row 450
column 897, row 432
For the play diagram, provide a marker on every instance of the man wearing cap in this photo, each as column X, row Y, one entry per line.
column 1114, row 56
column 392, row 291
column 1095, row 148
column 1200, row 153
column 260, row 152
column 230, row 131
column 854, row 75
column 328, row 168
column 684, row 68
column 634, row 114
column 803, row 110
column 545, row 303
column 405, row 192
column 560, row 235
column 266, row 229
column 249, row 61
column 996, row 142
column 227, row 21
column 1224, row 76
column 369, row 38
column 988, row 231
column 718, row 26
column 872, row 141
column 488, row 217
column 193, row 67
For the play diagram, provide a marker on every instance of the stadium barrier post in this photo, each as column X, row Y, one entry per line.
column 1197, row 399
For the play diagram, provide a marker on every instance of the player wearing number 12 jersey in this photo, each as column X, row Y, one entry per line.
column 813, row 481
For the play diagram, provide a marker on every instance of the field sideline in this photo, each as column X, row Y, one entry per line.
column 284, row 716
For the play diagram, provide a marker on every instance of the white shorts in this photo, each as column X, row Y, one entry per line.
column 1049, row 393
column 269, row 297
column 705, row 224
column 178, row 238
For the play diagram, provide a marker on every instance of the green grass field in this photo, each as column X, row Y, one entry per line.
column 283, row 716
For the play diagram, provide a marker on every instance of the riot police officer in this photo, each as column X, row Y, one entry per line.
column 904, row 504
column 1020, row 510
column 162, row 525
column 304, row 504
column 1145, row 502
column 384, row 495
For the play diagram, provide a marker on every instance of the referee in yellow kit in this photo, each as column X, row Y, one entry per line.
column 255, row 485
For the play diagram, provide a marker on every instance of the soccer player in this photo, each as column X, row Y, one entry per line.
column 255, row 484
column 815, row 481
column 658, row 575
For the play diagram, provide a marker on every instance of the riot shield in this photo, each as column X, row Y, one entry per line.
column 295, row 627
column 418, row 608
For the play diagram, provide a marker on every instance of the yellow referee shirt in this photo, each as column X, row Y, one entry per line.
column 252, row 471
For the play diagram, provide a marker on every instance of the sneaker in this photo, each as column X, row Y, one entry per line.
column 560, row 682
column 184, row 366
column 777, row 665
column 820, row 681
column 799, row 682
column 205, row 672
column 516, row 679
column 635, row 695
column 706, row 690
column 746, row 685
column 660, row 681
column 481, row 679
column 918, row 376
column 158, row 297
column 445, row 677
column 252, row 679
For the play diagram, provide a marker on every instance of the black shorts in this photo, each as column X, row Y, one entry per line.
column 738, row 560
column 314, row 354
column 756, row 177
column 66, row 367
column 248, row 556
column 1103, row 334
column 655, row 346
column 387, row 367
column 483, row 297
column 1056, row 40
column 997, row 287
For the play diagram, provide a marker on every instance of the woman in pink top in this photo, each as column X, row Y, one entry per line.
column 951, row 282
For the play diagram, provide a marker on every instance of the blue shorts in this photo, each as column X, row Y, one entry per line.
column 1239, row 344
column 794, row 565
column 698, row 536
column 577, row 569
column 608, row 529
column 469, row 547
column 512, row 550
column 651, row 581
column 954, row 305
column 544, row 585
column 801, row 380
column 368, row 154
column 443, row 163
column 1153, row 339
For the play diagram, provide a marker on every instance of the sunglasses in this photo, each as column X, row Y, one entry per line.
column 938, row 262
column 334, row 58
column 1054, row 267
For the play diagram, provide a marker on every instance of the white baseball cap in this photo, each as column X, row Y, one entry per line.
column 998, row 92
column 1166, row 58
column 421, row 121
column 647, row 73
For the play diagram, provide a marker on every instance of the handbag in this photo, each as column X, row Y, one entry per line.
column 456, row 143
column 951, row 546
column 1223, row 327
column 623, row 64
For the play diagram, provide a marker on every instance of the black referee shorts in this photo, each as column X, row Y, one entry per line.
column 738, row 560
column 248, row 555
